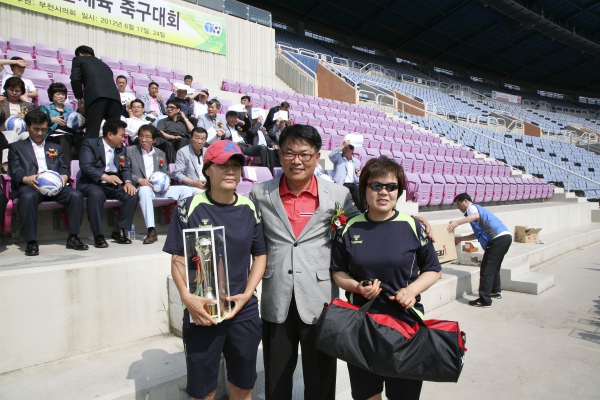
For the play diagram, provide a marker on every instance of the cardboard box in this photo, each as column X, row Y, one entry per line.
column 470, row 248
column 523, row 234
column 444, row 243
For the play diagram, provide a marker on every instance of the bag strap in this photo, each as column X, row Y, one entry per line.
column 388, row 291
column 368, row 305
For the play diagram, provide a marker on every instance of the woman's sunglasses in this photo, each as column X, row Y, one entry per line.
column 378, row 186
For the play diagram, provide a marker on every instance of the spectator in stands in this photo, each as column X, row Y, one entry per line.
column 174, row 130
column 3, row 62
column 271, row 118
column 185, row 104
column 153, row 101
column 126, row 97
column 188, row 80
column 199, row 102
column 3, row 198
column 346, row 171
column 212, row 121
column 136, row 119
column 11, row 105
column 101, row 99
column 494, row 238
column 59, row 132
column 145, row 160
column 277, row 128
column 190, row 160
column 237, row 134
column 257, row 135
column 18, row 70
column 27, row 159
column 238, row 337
column 245, row 100
column 106, row 174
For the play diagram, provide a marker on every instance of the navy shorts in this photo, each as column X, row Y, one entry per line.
column 366, row 384
column 237, row 341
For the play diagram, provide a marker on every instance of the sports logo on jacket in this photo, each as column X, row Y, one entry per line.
column 356, row 241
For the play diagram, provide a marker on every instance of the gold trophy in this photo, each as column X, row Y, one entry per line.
column 204, row 275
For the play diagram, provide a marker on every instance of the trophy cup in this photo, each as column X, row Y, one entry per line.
column 204, row 274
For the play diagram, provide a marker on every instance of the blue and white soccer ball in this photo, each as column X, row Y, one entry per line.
column 160, row 181
column 15, row 124
column 50, row 183
column 74, row 120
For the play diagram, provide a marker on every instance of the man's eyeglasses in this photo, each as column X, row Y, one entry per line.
column 171, row 108
column 378, row 186
column 304, row 157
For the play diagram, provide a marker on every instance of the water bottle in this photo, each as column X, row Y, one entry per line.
column 132, row 232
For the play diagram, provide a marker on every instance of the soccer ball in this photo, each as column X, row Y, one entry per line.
column 160, row 181
column 217, row 29
column 50, row 183
column 15, row 124
column 74, row 120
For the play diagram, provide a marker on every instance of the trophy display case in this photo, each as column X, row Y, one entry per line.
column 206, row 268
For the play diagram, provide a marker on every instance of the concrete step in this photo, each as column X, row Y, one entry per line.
column 512, row 270
column 530, row 282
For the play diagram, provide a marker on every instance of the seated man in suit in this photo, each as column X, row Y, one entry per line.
column 212, row 121
column 145, row 160
column 174, row 130
column 106, row 174
column 153, row 101
column 26, row 160
column 271, row 119
column 258, row 136
column 136, row 119
column 346, row 171
column 246, row 101
column 190, row 160
column 181, row 94
column 3, row 198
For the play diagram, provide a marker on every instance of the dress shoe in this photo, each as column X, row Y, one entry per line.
column 73, row 242
column 99, row 242
column 32, row 249
column 120, row 237
column 151, row 237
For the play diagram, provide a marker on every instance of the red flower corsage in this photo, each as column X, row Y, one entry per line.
column 121, row 161
column 338, row 220
column 51, row 153
column 220, row 124
column 161, row 162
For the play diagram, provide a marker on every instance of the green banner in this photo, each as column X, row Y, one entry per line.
column 153, row 19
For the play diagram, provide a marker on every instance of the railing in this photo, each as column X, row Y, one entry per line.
column 342, row 74
column 237, row 9
column 299, row 80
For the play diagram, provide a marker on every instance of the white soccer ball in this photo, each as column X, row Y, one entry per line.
column 74, row 120
column 50, row 183
column 217, row 29
column 160, row 181
column 15, row 124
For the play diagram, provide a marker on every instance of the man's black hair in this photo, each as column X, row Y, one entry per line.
column 153, row 83
column 246, row 97
column 231, row 114
column 215, row 102
column 137, row 101
column 36, row 117
column 462, row 197
column 188, row 77
column 149, row 128
column 284, row 104
column 121, row 76
column 198, row 129
column 301, row 133
column 81, row 50
column 175, row 102
column 112, row 125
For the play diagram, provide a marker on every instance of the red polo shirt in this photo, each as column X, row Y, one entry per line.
column 299, row 208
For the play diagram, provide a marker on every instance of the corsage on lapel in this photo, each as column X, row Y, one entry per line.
column 338, row 220
column 220, row 124
column 51, row 153
column 161, row 161
column 121, row 161
column 357, row 171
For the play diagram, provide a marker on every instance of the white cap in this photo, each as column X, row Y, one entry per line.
column 181, row 86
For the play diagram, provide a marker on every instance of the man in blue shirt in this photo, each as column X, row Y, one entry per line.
column 494, row 238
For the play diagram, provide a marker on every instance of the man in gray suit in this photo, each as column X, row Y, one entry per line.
column 213, row 122
column 190, row 160
column 297, row 209
column 145, row 160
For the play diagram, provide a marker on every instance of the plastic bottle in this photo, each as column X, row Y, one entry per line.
column 132, row 232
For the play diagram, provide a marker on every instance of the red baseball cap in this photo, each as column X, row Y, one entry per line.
column 222, row 150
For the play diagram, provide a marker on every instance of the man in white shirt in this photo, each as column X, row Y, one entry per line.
column 27, row 159
column 346, row 171
column 200, row 102
column 136, row 119
column 145, row 160
column 126, row 97
column 18, row 69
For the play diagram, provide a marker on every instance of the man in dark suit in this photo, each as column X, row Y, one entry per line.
column 26, row 160
column 271, row 120
column 106, row 174
column 100, row 94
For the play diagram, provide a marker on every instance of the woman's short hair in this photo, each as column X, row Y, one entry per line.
column 15, row 82
column 301, row 133
column 378, row 168
column 57, row 87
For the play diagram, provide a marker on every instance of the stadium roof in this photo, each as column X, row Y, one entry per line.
column 552, row 45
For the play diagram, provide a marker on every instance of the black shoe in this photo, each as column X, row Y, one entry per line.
column 496, row 295
column 479, row 303
column 99, row 242
column 73, row 242
column 120, row 237
column 32, row 249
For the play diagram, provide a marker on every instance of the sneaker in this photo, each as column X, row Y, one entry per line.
column 479, row 303
column 496, row 295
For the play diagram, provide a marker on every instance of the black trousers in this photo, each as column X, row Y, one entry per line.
column 358, row 202
column 266, row 155
column 28, row 203
column 280, row 353
column 170, row 147
column 96, row 111
column 489, row 274
column 66, row 141
column 97, row 195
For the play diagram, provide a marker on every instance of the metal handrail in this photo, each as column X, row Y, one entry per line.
column 337, row 70
column 308, row 71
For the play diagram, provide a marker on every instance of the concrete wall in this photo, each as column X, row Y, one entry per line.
column 416, row 108
column 531, row 130
column 253, row 64
column 51, row 313
column 331, row 86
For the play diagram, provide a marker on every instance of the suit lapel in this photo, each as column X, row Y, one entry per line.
column 156, row 164
column 101, row 150
column 278, row 205
column 318, row 214
column 29, row 150
column 194, row 159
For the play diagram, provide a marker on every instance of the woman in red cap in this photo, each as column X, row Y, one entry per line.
column 238, row 336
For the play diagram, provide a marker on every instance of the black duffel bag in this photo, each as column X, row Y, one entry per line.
column 431, row 350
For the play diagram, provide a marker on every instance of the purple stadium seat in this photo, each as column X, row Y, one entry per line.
column 386, row 153
column 24, row 56
column 489, row 187
column 178, row 74
column 336, row 141
column 48, row 64
column 45, row 50
column 513, row 189
column 326, row 124
column 326, row 140
column 438, row 165
column 43, row 98
column 256, row 174
column 506, row 189
column 113, row 63
column 495, row 169
column 314, row 122
column 428, row 168
column 498, row 189
column 244, row 188
column 416, row 190
column 365, row 159
column 139, row 79
column 163, row 83
column 464, row 168
column 449, row 189
column 520, row 191
column 65, row 56
column 234, row 88
column 147, row 69
column 164, row 72
column 20, row 45
column 474, row 166
column 538, row 188
column 480, row 189
column 129, row 66
column 488, row 168
column 461, row 184
column 437, row 189
column 360, row 152
column 526, row 188
column 3, row 47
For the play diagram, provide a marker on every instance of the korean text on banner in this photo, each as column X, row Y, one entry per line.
column 152, row 19
column 510, row 98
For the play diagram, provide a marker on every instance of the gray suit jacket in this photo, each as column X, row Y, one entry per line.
column 138, row 169
column 145, row 98
column 187, row 165
column 205, row 122
column 308, row 256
